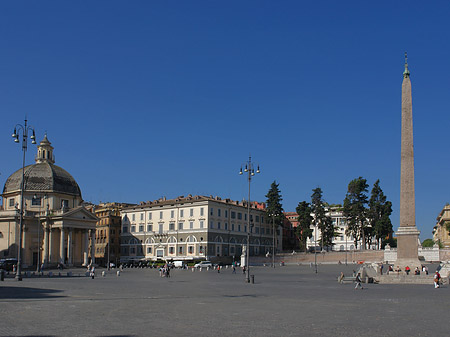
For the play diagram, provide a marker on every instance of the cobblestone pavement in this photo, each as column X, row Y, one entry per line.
column 284, row 301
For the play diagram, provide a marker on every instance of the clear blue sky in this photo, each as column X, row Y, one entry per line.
column 143, row 99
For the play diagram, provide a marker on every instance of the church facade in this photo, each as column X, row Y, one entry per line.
column 57, row 228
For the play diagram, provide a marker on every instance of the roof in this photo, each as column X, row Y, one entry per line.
column 43, row 176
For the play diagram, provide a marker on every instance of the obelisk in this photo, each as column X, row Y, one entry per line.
column 407, row 234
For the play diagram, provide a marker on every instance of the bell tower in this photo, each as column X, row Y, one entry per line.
column 45, row 151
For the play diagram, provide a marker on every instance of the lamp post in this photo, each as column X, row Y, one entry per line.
column 25, row 129
column 249, row 169
column 315, row 245
column 273, row 215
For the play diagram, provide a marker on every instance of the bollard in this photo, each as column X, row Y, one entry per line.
column 252, row 279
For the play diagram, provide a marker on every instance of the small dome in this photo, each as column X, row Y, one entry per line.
column 43, row 176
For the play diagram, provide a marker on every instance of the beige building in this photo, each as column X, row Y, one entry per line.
column 56, row 227
column 193, row 228
column 441, row 231
column 107, row 234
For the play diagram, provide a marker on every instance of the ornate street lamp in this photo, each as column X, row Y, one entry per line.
column 25, row 129
column 250, row 170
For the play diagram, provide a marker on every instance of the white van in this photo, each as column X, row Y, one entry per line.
column 178, row 264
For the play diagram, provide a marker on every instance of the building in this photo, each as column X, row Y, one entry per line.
column 341, row 242
column 193, row 228
column 441, row 230
column 56, row 227
column 107, row 233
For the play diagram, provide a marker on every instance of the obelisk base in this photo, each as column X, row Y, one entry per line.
column 407, row 248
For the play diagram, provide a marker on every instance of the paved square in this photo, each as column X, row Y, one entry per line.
column 285, row 301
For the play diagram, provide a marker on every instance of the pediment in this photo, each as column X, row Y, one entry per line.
column 80, row 213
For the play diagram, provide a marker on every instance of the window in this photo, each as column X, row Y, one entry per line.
column 149, row 250
column 172, row 214
column 262, row 219
column 142, row 216
column 161, row 226
column 226, row 214
column 141, row 228
column 182, row 213
column 160, row 214
column 180, row 250
column 191, row 249
column 133, row 228
column 132, row 250
column 11, row 202
column 233, row 215
column 171, row 250
column 211, row 225
column 226, row 225
column 240, row 216
column 218, row 212
column 171, row 226
column 191, row 224
column 211, row 212
column 149, row 228
column 262, row 231
column 191, row 212
column 180, row 226
column 245, row 216
column 245, row 228
column 202, row 212
column 239, row 228
column 150, row 216
column 133, row 217
column 218, row 225
column 65, row 203
column 257, row 230
column 232, row 226
column 201, row 223
column 125, row 229
column 257, row 218
column 34, row 202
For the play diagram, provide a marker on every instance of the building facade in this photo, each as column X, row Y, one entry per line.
column 441, row 230
column 193, row 228
column 107, row 233
column 56, row 227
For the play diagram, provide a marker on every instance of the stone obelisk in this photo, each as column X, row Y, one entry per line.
column 407, row 234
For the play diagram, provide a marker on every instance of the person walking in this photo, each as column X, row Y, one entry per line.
column 234, row 267
column 358, row 281
column 437, row 278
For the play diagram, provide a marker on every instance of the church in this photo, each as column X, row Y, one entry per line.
column 57, row 228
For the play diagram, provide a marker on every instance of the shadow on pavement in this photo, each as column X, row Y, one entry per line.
column 27, row 293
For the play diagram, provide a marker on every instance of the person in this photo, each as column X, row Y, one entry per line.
column 218, row 269
column 92, row 273
column 341, row 278
column 426, row 270
column 407, row 270
column 381, row 269
column 358, row 281
column 417, row 271
column 234, row 267
column 437, row 278
column 398, row 270
column 243, row 269
column 390, row 268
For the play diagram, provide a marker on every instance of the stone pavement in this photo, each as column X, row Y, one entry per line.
column 285, row 301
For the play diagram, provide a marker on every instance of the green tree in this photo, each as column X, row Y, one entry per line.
column 355, row 209
column 274, row 208
column 303, row 230
column 428, row 243
column 378, row 215
column 323, row 222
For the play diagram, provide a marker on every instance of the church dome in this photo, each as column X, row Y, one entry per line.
column 44, row 175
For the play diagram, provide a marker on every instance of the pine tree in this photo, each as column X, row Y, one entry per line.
column 379, row 214
column 303, row 230
column 274, row 208
column 355, row 210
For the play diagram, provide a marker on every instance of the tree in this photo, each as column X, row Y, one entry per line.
column 355, row 209
column 428, row 243
column 379, row 215
column 274, row 208
column 303, row 230
column 324, row 222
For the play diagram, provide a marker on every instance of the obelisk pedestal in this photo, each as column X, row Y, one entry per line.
column 407, row 234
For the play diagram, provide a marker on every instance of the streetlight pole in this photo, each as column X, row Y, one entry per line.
column 25, row 128
column 249, row 168
column 315, row 245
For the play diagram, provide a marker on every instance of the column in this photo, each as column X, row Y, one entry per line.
column 45, row 251
column 62, row 251
column 85, row 247
column 69, row 248
column 92, row 246
column 50, row 245
column 24, row 247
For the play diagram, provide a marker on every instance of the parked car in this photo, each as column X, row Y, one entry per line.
column 8, row 264
column 203, row 264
